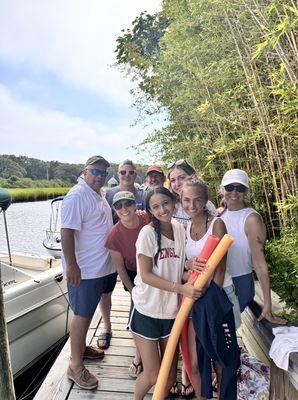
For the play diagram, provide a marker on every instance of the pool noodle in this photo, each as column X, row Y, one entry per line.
column 185, row 308
column 208, row 248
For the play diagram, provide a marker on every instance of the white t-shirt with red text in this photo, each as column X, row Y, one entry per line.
column 147, row 299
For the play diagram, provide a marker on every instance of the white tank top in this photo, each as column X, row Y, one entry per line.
column 194, row 247
column 239, row 260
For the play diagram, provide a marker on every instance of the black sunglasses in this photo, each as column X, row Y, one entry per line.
column 240, row 188
column 127, row 172
column 98, row 172
column 125, row 203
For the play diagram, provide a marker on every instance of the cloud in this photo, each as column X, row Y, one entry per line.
column 53, row 135
column 74, row 39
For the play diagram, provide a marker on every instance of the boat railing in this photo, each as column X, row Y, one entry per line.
column 53, row 236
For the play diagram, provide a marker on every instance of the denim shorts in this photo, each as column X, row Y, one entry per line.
column 230, row 292
column 84, row 298
column 149, row 328
column 245, row 289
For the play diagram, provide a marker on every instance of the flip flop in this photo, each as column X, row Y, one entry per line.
column 104, row 335
column 138, row 369
column 190, row 395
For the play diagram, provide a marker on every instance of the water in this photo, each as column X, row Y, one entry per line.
column 26, row 224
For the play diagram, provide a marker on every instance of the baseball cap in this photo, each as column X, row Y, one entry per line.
column 235, row 176
column 97, row 159
column 124, row 195
column 154, row 168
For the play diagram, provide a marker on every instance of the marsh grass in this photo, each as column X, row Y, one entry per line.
column 34, row 194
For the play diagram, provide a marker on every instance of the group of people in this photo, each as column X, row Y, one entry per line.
column 151, row 237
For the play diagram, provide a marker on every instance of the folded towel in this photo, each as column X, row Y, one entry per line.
column 284, row 343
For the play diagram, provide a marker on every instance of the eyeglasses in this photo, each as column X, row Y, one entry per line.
column 98, row 172
column 240, row 188
column 127, row 172
column 123, row 204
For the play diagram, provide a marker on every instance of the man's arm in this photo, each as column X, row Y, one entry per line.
column 73, row 272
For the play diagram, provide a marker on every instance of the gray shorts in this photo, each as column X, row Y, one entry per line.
column 245, row 289
column 84, row 298
column 230, row 292
column 149, row 328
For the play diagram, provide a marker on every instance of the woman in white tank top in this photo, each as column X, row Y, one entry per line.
column 247, row 252
column 194, row 197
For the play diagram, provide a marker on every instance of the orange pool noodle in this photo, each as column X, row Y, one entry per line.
column 208, row 248
column 214, row 260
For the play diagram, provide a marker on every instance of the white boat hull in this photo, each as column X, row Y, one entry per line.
column 36, row 310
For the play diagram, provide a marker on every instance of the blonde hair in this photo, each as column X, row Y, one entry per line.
column 198, row 183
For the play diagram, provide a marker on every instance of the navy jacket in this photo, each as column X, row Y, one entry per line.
column 216, row 343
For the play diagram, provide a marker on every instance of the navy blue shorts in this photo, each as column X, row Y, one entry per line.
column 245, row 289
column 85, row 297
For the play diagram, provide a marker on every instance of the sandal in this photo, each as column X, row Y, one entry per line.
column 106, row 336
column 174, row 391
column 135, row 369
column 184, row 388
column 214, row 385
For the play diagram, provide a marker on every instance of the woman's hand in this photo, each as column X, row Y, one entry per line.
column 196, row 264
column 190, row 291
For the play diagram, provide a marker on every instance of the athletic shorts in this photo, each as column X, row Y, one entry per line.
column 149, row 328
column 245, row 289
column 230, row 292
column 84, row 298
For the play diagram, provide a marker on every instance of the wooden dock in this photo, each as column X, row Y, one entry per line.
column 112, row 371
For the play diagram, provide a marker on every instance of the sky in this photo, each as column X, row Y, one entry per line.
column 60, row 96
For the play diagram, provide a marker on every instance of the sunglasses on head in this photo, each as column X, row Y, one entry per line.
column 127, row 172
column 240, row 188
column 125, row 203
column 98, row 172
column 178, row 164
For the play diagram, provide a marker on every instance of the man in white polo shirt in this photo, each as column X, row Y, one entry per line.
column 86, row 219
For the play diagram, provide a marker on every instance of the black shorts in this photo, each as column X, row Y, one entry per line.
column 150, row 328
column 110, row 283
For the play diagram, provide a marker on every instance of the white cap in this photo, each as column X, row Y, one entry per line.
column 235, row 176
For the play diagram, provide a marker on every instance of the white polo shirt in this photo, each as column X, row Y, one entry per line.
column 89, row 214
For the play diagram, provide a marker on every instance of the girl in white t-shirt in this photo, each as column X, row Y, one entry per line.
column 160, row 265
column 194, row 197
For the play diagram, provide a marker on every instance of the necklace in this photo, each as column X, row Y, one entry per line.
column 197, row 234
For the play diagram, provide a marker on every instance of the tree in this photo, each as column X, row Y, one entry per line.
column 9, row 168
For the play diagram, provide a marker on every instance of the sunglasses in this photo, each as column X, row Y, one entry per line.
column 122, row 204
column 98, row 172
column 127, row 172
column 240, row 188
column 178, row 163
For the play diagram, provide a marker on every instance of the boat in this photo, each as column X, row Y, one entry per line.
column 35, row 304
column 52, row 241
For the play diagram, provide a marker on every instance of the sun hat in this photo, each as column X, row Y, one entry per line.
column 154, row 168
column 123, row 195
column 97, row 159
column 235, row 176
